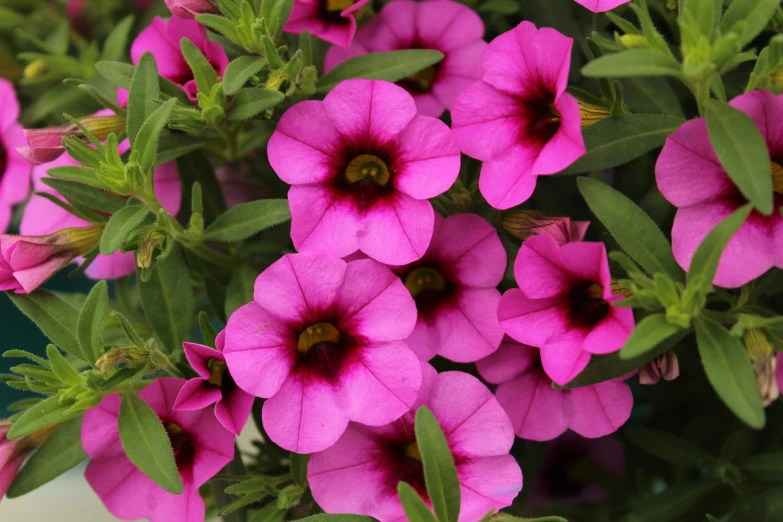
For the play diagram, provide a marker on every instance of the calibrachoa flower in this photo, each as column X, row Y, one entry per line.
column 443, row 25
column 323, row 341
column 600, row 6
column 525, row 224
column 665, row 366
column 708, row 195
column 14, row 169
column 453, row 285
column 202, row 447
column 518, row 119
column 45, row 145
column 191, row 8
column 360, row 473
column 330, row 20
column 540, row 412
column 214, row 385
column 362, row 165
column 14, row 452
column 564, row 305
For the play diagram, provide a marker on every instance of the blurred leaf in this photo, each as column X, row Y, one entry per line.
column 195, row 167
column 246, row 219
column 635, row 62
column 651, row 95
column 390, row 66
column 143, row 90
column 173, row 146
column 240, row 288
column 299, row 468
column 54, row 316
column 506, row 7
column 270, row 513
column 767, row 467
column 753, row 14
column 673, row 502
column 648, row 333
column 669, row 447
column 415, row 508
column 440, row 474
column 46, row 413
column 115, row 46
column 324, row 517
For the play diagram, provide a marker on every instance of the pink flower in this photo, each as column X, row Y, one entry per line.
column 12, row 456
column 362, row 165
column 41, row 216
column 690, row 176
column 162, row 39
column 779, row 371
column 665, row 366
column 525, row 224
column 214, row 385
column 14, row 169
column 323, row 341
column 360, row 473
column 518, row 119
column 442, row 25
column 454, row 289
column 600, row 6
column 540, row 412
column 202, row 447
column 564, row 305
column 45, row 145
column 330, row 20
column 191, row 8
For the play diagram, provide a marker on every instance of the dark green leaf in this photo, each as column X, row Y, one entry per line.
column 669, row 447
column 114, row 49
column 79, row 194
column 635, row 62
column 649, row 95
column 299, row 468
column 195, row 167
column 61, row 367
column 390, row 66
column 240, row 288
column 147, row 141
column 755, row 14
column 673, row 502
column 246, row 219
column 46, row 413
column 203, row 73
column 54, row 316
column 707, row 256
column 120, row 225
column 172, row 146
column 506, row 7
column 648, row 333
column 415, row 508
column 767, row 467
column 251, row 101
column 144, row 89
column 88, row 326
column 440, row 474
column 270, row 513
column 240, row 71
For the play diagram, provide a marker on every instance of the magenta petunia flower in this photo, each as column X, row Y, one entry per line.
column 518, row 119
column 443, row 25
column 330, row 20
column 362, row 165
column 690, row 176
column 323, row 341
column 14, row 169
column 454, row 286
column 45, row 145
column 191, row 8
column 600, row 6
column 540, row 412
column 12, row 455
column 564, row 305
column 202, row 447
column 360, row 473
column 162, row 39
column 214, row 386
column 525, row 224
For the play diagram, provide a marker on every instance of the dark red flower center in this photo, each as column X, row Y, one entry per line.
column 429, row 288
column 401, row 460
column 366, row 177
column 420, row 82
column 330, row 10
column 183, row 444
column 543, row 120
column 586, row 305
column 322, row 350
column 219, row 376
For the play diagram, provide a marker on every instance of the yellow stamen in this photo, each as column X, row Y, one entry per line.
column 338, row 6
column 594, row 291
column 317, row 333
column 777, row 178
column 422, row 279
column 367, row 166
column 634, row 41
column 412, row 451
column 592, row 113
column 422, row 81
column 217, row 369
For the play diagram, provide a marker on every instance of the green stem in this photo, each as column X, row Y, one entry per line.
column 701, row 91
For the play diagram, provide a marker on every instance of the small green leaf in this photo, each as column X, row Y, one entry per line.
column 251, row 101
column 220, row 24
column 707, row 256
column 240, row 71
column 203, row 73
column 674, row 502
column 114, row 49
column 147, row 444
column 81, row 195
column 269, row 513
column 246, row 219
column 88, row 326
column 767, row 467
column 54, row 316
column 635, row 232
column 147, row 141
column 59, row 454
column 61, row 368
column 648, row 333
column 635, row 62
column 754, row 14
column 730, row 371
column 144, row 89
column 669, row 447
column 195, row 167
column 742, row 152
column 120, row 74
column 299, row 468
column 46, row 413
column 120, row 225
column 415, row 508
column 704, row 13
column 240, row 288
column 440, row 474
column 390, row 66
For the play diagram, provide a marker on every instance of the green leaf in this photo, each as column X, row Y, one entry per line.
column 299, row 468
column 173, row 146
column 506, row 7
column 120, row 74
column 79, row 194
column 767, row 467
column 415, row 508
column 80, row 174
column 143, row 90
column 730, row 371
column 707, row 256
column 673, row 502
column 147, row 444
column 631, row 227
column 270, row 513
column 505, row 517
column 240, row 71
column 147, row 141
column 114, row 49
column 120, row 225
column 648, row 333
column 54, row 316
column 754, row 14
column 704, row 13
column 88, row 327
column 46, row 413
column 59, row 454
column 251, row 101
column 195, row 167
column 61, row 368
column 617, row 140
column 635, row 62
column 240, row 288
column 246, row 219
column 646, row 95
column 390, row 66
column 219, row 24
column 742, row 152
column 440, row 474
column 203, row 72
column 669, row 447
column 168, row 301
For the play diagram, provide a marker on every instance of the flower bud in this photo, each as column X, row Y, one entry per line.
column 35, row 69
column 14, row 452
column 191, row 8
column 634, row 41
column 45, row 145
column 592, row 113
column 147, row 246
column 130, row 356
column 525, row 224
column 666, row 367
column 764, row 362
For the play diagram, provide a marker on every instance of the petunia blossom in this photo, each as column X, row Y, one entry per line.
column 454, row 286
column 330, row 20
column 360, row 473
column 601, row 6
column 518, row 119
column 14, row 452
column 691, row 177
column 443, row 25
column 191, row 8
column 362, row 165
column 202, row 447
column 564, row 305
column 540, row 412
column 14, row 169
column 45, row 145
column 323, row 342
column 525, row 224
column 214, row 386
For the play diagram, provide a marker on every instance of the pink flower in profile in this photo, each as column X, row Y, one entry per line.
column 540, row 412
column 454, row 286
column 330, row 20
column 214, row 386
column 564, row 305
column 707, row 195
column 518, row 119
column 191, row 8
column 525, row 224
column 202, row 447
column 14, row 169
column 45, row 145
column 779, row 371
column 601, row 6
column 162, row 39
column 443, row 25
column 12, row 455
column 323, row 342
column 665, row 366
column 360, row 473
column 362, row 165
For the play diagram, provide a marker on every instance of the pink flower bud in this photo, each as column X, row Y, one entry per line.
column 190, row 8
column 14, row 452
column 666, row 367
column 45, row 145
column 525, row 224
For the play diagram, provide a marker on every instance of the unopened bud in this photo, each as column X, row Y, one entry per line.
column 191, row 8
column 634, row 41
column 592, row 113
column 130, row 356
column 525, row 224
column 666, row 367
column 35, row 69
column 765, row 362
column 147, row 246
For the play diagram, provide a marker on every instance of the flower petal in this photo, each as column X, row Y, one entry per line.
column 508, row 180
column 488, row 484
column 610, row 334
column 563, row 357
column 199, row 356
column 233, row 410
column 471, row 250
column 196, row 394
column 397, row 231
column 468, row 326
column 535, row 408
column 600, row 409
column 510, row 360
column 530, row 321
column 323, row 220
column 539, row 269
